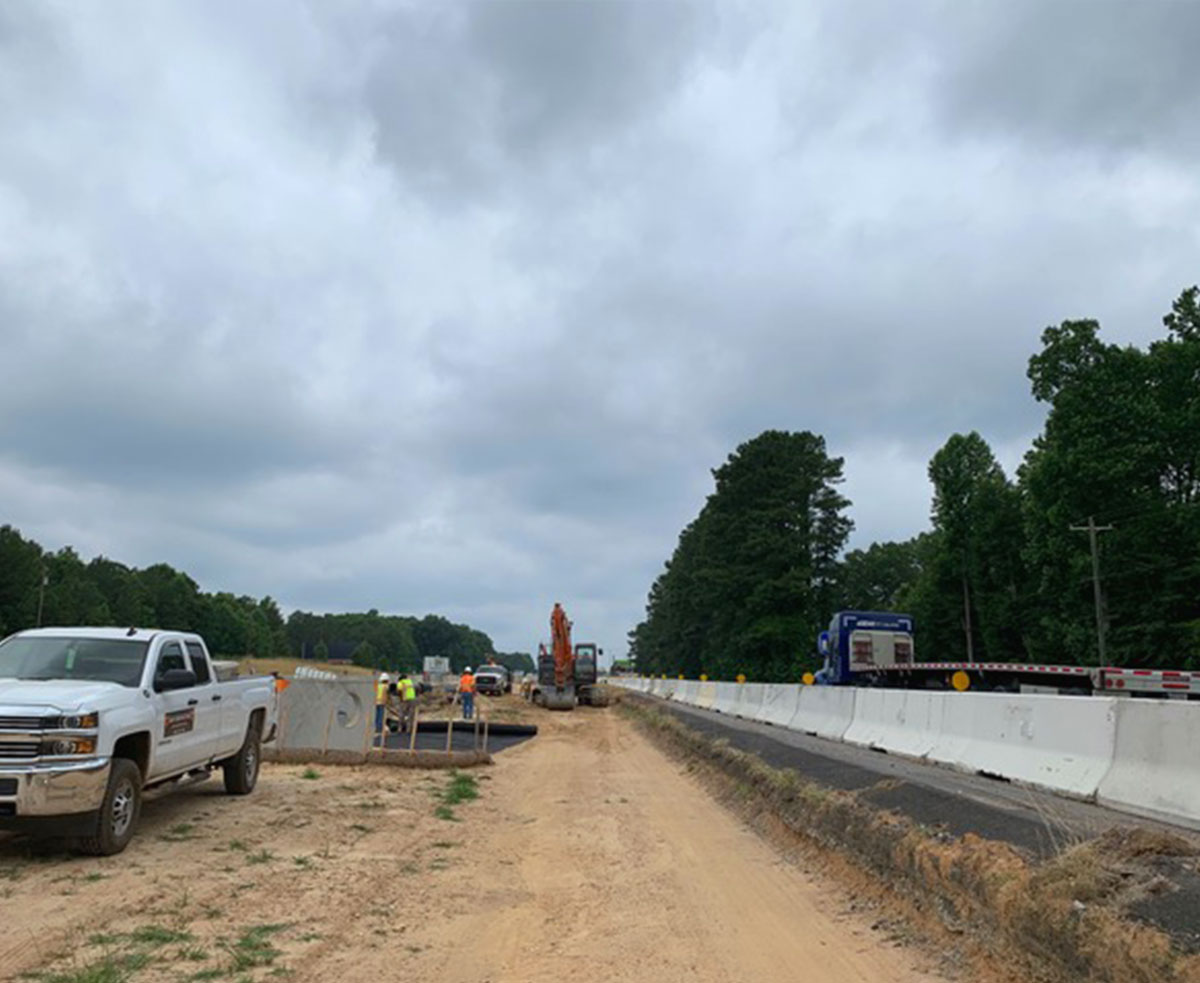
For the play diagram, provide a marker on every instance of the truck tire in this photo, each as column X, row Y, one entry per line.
column 119, row 812
column 241, row 771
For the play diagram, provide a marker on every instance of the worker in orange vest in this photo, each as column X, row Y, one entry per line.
column 466, row 693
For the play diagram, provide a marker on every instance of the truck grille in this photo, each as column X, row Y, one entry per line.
column 18, row 749
column 21, row 723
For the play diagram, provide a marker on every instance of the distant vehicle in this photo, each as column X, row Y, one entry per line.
column 493, row 680
column 875, row 648
column 90, row 718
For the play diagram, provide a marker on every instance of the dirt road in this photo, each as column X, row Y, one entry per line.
column 588, row 856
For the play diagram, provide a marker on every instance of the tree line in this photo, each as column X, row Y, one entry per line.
column 1006, row 572
column 38, row 587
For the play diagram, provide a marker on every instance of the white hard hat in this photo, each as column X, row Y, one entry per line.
column 384, row 677
column 468, row 669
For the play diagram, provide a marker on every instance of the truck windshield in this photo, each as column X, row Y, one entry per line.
column 107, row 660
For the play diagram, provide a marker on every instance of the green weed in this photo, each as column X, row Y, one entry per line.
column 254, row 948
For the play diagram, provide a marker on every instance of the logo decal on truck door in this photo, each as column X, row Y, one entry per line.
column 179, row 722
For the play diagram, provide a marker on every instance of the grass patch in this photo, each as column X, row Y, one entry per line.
column 106, row 970
column 179, row 832
column 443, row 845
column 253, row 948
column 157, row 935
column 462, row 788
column 263, row 856
column 305, row 862
column 311, row 774
column 238, row 845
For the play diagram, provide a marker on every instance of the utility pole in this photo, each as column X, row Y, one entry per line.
column 967, row 618
column 42, row 596
column 1092, row 529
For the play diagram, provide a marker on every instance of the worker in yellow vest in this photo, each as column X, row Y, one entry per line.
column 466, row 693
column 381, row 695
column 408, row 701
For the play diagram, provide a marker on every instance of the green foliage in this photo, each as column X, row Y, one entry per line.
column 391, row 641
column 755, row 574
column 104, row 592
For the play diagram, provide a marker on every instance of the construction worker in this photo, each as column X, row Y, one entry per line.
column 466, row 693
column 381, row 695
column 408, row 702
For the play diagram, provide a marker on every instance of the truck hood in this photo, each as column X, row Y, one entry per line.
column 57, row 694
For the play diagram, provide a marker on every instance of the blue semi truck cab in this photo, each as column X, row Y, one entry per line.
column 859, row 644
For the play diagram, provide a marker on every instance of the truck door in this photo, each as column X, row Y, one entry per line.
column 227, row 729
column 183, row 724
column 212, row 712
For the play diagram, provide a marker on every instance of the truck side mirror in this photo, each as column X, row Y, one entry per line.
column 175, row 679
column 823, row 643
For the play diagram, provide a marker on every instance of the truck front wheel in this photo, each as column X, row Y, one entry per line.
column 118, row 815
column 241, row 771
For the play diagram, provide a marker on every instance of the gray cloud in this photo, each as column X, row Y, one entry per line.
column 453, row 306
column 1109, row 76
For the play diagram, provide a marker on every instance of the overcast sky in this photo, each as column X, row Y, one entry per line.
column 453, row 307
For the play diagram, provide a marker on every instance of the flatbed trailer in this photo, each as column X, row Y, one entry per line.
column 875, row 648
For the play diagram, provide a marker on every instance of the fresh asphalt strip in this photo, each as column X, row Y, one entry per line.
column 937, row 798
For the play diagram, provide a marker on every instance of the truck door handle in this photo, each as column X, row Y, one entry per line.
column 217, row 697
column 192, row 703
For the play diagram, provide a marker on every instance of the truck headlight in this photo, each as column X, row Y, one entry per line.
column 79, row 721
column 62, row 746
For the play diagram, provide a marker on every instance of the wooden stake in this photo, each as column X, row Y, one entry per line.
column 412, row 738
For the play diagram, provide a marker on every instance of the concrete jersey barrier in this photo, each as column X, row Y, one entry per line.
column 749, row 700
column 1062, row 743
column 725, row 697
column 705, row 695
column 687, row 691
column 1155, row 772
column 826, row 711
column 779, row 704
column 900, row 721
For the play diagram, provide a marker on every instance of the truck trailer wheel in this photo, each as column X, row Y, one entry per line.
column 118, row 815
column 241, row 771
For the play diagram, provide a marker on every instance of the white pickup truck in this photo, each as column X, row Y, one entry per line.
column 92, row 717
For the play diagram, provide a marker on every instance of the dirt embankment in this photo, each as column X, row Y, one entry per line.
column 1065, row 919
column 587, row 855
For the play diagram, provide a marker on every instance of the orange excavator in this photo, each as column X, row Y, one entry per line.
column 556, row 668
column 566, row 675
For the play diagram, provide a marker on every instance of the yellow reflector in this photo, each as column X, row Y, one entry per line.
column 808, row 679
column 960, row 681
column 741, row 677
